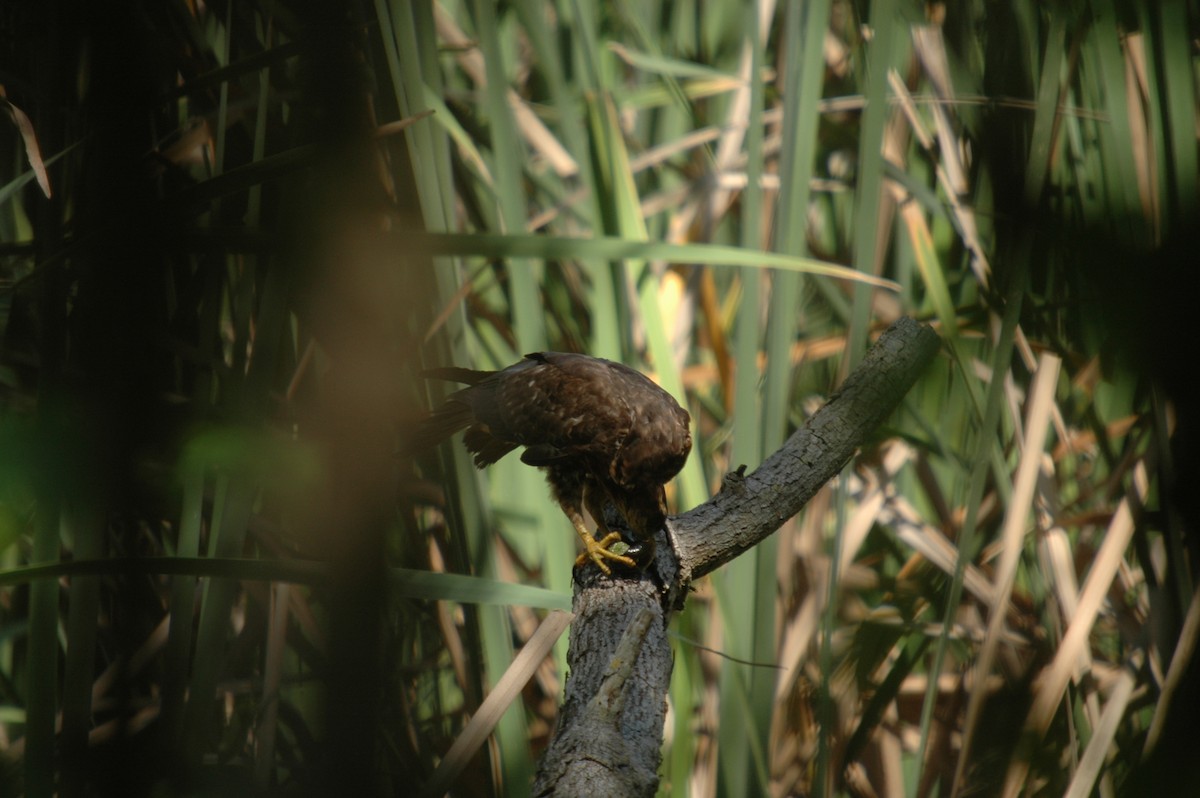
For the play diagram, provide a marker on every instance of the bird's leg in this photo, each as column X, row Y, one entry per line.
column 571, row 490
column 593, row 499
column 644, row 513
column 597, row 551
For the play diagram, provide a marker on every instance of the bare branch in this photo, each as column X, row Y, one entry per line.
column 750, row 508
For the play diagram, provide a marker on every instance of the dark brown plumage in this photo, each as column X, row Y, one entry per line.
column 601, row 430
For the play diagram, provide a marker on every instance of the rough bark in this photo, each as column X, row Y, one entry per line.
column 609, row 736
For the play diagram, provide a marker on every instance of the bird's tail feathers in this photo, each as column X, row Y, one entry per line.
column 456, row 374
column 440, row 425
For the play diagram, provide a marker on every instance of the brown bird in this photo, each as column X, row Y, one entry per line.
column 602, row 431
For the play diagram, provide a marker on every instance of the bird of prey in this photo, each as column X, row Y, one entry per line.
column 602, row 432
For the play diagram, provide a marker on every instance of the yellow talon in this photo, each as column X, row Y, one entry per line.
column 599, row 551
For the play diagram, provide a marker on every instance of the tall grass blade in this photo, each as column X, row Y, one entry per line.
column 85, row 526
column 41, row 661
column 1019, row 509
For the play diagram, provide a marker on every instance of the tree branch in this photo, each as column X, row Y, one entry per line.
column 609, row 736
column 750, row 508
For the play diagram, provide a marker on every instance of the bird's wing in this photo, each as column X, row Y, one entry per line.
column 564, row 402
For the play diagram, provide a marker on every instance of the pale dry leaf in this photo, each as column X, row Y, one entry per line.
column 32, row 150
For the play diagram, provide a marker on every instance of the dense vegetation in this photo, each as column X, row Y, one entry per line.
column 233, row 234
